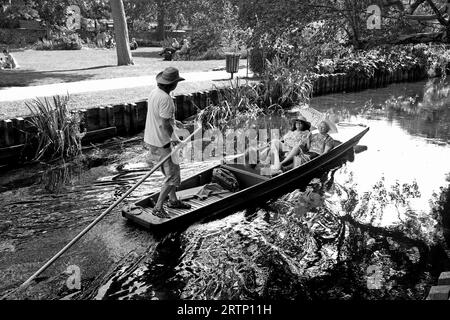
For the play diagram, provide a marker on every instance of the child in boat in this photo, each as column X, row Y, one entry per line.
column 313, row 147
column 10, row 62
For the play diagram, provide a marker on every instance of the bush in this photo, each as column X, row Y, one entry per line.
column 434, row 58
column 58, row 129
column 257, row 60
column 61, row 42
column 203, row 40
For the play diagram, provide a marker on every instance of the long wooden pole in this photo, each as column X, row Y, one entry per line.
column 100, row 217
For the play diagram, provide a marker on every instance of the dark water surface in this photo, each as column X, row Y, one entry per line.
column 369, row 229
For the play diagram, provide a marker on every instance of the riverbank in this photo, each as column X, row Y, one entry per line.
column 379, row 215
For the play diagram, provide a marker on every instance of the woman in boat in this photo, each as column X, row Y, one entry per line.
column 313, row 147
column 299, row 134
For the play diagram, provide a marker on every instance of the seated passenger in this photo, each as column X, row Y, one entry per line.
column 298, row 134
column 317, row 144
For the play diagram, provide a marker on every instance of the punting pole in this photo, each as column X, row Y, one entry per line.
column 100, row 217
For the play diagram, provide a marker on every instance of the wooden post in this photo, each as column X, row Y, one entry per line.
column 19, row 131
column 142, row 113
column 366, row 82
column 314, row 91
column 82, row 113
column 179, row 108
column 203, row 98
column 383, row 78
column 110, row 116
column 6, row 138
column 119, row 110
column 207, row 98
column 214, row 96
column 133, row 118
column 92, row 119
column 335, row 83
column 358, row 83
column 404, row 74
column 353, row 83
column 345, row 83
column 103, row 121
column 188, row 108
column 325, row 84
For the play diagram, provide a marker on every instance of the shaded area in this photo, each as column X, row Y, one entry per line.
column 24, row 78
column 147, row 54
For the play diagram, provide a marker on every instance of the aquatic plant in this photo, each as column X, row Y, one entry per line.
column 284, row 84
column 239, row 107
column 58, row 129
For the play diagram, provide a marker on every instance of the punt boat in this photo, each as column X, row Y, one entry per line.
column 253, row 187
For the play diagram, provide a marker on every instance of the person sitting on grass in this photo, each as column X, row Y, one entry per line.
column 10, row 62
column 175, row 44
column 184, row 50
column 133, row 44
column 316, row 145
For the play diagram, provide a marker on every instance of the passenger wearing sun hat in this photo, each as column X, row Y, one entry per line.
column 159, row 136
column 298, row 134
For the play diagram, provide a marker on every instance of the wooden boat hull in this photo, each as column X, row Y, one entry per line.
column 254, row 188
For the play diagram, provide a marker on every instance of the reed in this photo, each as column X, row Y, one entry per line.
column 58, row 130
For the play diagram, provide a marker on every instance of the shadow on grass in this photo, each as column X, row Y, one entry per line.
column 24, row 78
column 83, row 69
column 147, row 54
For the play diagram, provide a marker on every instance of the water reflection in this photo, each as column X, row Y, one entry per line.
column 373, row 228
column 320, row 243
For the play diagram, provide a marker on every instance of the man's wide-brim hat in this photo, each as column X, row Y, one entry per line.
column 168, row 76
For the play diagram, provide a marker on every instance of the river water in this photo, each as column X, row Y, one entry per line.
column 373, row 228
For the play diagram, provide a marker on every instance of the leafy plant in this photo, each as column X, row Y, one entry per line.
column 62, row 41
column 58, row 129
column 283, row 84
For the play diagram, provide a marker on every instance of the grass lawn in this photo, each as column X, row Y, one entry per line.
column 48, row 67
column 102, row 98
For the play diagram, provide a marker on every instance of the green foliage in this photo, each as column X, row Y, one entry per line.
column 284, row 84
column 64, row 40
column 58, row 129
column 10, row 16
column 435, row 58
column 237, row 106
column 257, row 60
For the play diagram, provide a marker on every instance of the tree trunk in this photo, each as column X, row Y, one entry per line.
column 160, row 29
column 447, row 33
column 121, row 33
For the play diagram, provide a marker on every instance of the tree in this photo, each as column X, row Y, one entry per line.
column 440, row 11
column 121, row 32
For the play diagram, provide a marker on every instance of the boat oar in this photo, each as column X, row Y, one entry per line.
column 93, row 223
